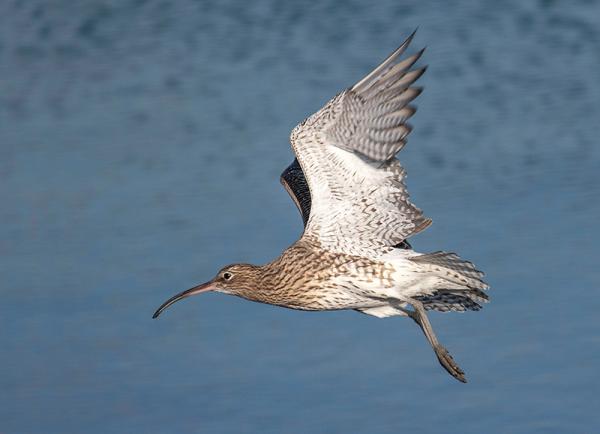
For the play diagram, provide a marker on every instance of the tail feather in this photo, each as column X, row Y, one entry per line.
column 451, row 267
column 453, row 301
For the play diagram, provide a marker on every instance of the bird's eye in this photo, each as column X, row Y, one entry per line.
column 227, row 275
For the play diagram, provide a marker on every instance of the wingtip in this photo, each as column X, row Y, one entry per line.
column 404, row 44
column 364, row 82
column 412, row 35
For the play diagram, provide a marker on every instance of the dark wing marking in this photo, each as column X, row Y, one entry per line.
column 403, row 245
column 294, row 182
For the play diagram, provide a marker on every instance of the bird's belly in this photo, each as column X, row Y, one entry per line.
column 338, row 294
column 330, row 299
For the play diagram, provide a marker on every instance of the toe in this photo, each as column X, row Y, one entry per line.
column 449, row 364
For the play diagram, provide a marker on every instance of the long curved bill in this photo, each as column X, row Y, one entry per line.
column 208, row 286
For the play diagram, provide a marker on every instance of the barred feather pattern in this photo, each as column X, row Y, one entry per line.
column 372, row 115
column 358, row 207
column 451, row 301
column 453, row 268
column 360, row 204
column 294, row 182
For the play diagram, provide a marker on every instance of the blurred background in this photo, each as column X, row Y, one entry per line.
column 141, row 143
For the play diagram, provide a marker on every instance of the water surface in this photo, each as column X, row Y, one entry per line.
column 140, row 148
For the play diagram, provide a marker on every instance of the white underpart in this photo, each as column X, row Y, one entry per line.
column 342, row 220
column 359, row 207
column 383, row 311
column 408, row 279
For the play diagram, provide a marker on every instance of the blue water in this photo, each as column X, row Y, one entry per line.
column 140, row 148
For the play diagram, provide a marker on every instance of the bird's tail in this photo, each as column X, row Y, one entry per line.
column 466, row 291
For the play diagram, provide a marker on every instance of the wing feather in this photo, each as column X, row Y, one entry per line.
column 346, row 151
column 293, row 180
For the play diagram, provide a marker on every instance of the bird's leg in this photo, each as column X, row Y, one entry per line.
column 420, row 317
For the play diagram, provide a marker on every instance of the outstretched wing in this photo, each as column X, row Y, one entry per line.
column 346, row 150
column 294, row 182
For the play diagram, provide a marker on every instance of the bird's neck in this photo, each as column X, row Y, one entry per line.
column 286, row 280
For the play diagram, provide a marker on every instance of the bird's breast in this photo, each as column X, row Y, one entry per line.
column 327, row 281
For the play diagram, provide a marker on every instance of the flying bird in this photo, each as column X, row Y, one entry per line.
column 349, row 188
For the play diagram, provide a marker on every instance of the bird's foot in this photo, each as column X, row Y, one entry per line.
column 449, row 364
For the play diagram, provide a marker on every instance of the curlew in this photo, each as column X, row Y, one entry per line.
column 349, row 188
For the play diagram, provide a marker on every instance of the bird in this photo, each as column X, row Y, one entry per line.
column 350, row 190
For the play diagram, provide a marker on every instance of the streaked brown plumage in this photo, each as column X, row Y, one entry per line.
column 349, row 189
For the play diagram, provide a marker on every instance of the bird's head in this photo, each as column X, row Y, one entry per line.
column 235, row 279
